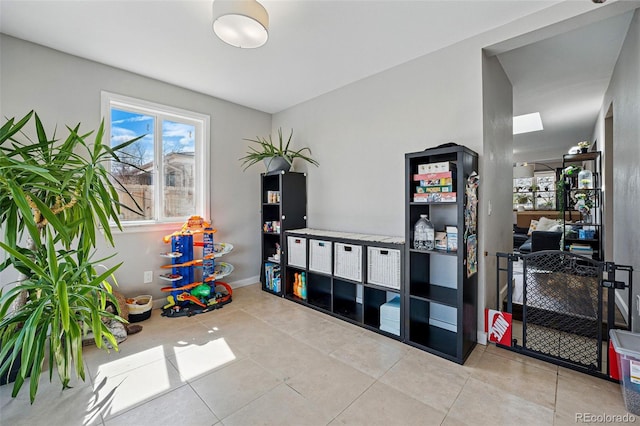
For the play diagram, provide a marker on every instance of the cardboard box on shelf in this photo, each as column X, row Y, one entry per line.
column 441, row 240
column 444, row 166
column 425, row 189
column 436, row 182
column 435, row 197
column 452, row 238
column 429, row 176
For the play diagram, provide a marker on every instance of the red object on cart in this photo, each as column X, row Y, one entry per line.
column 614, row 370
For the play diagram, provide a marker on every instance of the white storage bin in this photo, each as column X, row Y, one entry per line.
column 297, row 251
column 320, row 256
column 391, row 310
column 383, row 267
column 348, row 261
column 443, row 316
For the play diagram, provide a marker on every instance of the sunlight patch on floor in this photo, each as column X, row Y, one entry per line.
column 203, row 359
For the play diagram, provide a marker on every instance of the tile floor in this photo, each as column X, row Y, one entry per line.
column 263, row 360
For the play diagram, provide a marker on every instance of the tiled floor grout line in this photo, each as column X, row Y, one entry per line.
column 459, row 392
column 365, row 395
column 354, row 400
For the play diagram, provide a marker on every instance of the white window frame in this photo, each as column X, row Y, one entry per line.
column 202, row 160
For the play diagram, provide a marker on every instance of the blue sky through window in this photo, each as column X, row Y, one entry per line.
column 127, row 125
column 176, row 137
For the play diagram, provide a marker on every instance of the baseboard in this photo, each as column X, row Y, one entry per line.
column 245, row 282
column 159, row 303
column 482, row 338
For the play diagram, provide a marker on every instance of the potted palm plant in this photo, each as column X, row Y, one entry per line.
column 53, row 196
column 275, row 157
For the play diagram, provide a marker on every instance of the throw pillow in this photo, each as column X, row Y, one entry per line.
column 545, row 224
column 532, row 227
column 556, row 228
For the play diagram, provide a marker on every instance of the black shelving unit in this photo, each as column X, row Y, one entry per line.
column 593, row 162
column 440, row 296
column 289, row 209
column 358, row 293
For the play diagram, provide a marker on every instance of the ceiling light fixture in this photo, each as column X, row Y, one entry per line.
column 527, row 123
column 241, row 23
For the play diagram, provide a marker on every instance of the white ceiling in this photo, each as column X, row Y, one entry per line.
column 564, row 78
column 316, row 46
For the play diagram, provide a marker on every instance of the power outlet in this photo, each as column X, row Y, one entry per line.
column 148, row 276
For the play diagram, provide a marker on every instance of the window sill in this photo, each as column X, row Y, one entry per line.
column 135, row 227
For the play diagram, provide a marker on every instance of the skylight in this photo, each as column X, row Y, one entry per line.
column 527, row 123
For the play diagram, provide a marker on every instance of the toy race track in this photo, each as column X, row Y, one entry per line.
column 222, row 296
column 195, row 288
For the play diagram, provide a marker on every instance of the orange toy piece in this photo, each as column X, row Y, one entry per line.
column 193, row 225
column 188, row 297
column 184, row 287
column 189, row 263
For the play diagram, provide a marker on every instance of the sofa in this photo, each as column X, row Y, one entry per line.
column 542, row 240
column 519, row 236
column 542, row 234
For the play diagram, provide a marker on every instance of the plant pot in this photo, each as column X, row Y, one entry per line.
column 276, row 163
column 584, row 150
column 11, row 374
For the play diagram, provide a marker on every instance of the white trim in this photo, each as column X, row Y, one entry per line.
column 133, row 227
column 245, row 282
column 481, row 336
column 201, row 122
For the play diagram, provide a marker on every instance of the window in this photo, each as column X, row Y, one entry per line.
column 164, row 171
column 535, row 193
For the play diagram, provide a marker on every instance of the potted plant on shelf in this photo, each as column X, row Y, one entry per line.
column 584, row 203
column 53, row 196
column 584, row 146
column 275, row 157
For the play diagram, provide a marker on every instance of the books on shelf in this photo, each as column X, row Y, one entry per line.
column 272, row 276
column 581, row 249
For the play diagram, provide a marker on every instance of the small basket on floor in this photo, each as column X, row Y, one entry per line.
column 140, row 309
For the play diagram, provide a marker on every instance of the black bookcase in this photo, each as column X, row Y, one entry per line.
column 586, row 230
column 284, row 207
column 441, row 287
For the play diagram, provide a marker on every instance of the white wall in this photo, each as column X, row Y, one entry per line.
column 624, row 94
column 359, row 134
column 495, row 190
column 65, row 89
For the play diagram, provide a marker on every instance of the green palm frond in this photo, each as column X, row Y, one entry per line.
column 54, row 193
column 265, row 149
